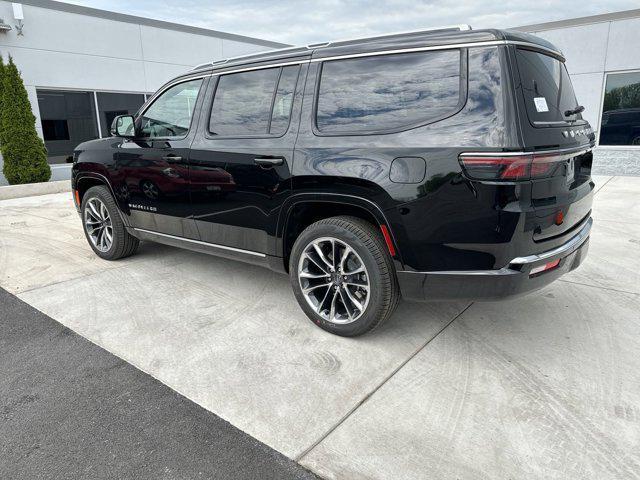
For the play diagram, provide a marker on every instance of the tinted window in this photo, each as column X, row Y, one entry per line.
column 547, row 88
column 621, row 110
column 284, row 100
column 388, row 91
column 244, row 102
column 170, row 114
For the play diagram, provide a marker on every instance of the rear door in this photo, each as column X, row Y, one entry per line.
column 241, row 158
column 561, row 187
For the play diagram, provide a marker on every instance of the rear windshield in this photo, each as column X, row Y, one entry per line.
column 547, row 88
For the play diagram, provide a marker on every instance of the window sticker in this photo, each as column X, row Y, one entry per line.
column 541, row 104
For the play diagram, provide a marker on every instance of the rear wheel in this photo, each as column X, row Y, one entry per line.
column 103, row 226
column 343, row 277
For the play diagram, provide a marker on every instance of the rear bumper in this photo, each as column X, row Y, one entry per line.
column 512, row 280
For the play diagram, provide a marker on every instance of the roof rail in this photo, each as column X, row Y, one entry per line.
column 459, row 28
column 248, row 55
column 313, row 46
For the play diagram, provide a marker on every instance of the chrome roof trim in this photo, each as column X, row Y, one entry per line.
column 452, row 46
column 485, row 43
column 313, row 46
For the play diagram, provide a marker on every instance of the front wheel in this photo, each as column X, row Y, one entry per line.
column 103, row 226
column 343, row 277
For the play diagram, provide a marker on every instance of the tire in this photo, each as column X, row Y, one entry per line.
column 122, row 243
column 307, row 270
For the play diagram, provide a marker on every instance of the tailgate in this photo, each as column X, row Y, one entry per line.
column 562, row 202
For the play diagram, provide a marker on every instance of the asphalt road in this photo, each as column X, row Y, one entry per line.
column 71, row 410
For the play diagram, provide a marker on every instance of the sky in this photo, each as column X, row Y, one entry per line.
column 301, row 23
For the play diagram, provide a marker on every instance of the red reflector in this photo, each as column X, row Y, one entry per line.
column 387, row 240
column 76, row 197
column 559, row 218
column 544, row 268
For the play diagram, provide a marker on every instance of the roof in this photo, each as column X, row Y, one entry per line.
column 429, row 38
column 122, row 17
column 574, row 22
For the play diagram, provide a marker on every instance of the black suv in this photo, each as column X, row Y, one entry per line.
column 444, row 164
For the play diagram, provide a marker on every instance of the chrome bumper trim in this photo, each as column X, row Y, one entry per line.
column 575, row 241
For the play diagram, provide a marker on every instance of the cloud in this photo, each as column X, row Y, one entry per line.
column 301, row 23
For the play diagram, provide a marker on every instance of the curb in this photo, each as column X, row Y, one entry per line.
column 34, row 189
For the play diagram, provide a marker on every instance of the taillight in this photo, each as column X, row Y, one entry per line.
column 512, row 166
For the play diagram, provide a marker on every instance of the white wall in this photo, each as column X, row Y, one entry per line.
column 69, row 50
column 74, row 51
column 591, row 50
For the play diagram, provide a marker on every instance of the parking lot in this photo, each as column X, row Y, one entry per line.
column 545, row 386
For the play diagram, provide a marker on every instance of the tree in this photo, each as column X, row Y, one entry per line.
column 2, row 69
column 24, row 153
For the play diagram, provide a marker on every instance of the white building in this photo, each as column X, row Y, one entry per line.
column 82, row 66
column 603, row 57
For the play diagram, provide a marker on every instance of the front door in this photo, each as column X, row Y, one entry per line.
column 241, row 159
column 154, row 168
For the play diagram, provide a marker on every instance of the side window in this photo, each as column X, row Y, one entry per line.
column 284, row 100
column 253, row 103
column 388, row 92
column 170, row 114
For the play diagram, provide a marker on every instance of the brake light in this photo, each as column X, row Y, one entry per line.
column 512, row 166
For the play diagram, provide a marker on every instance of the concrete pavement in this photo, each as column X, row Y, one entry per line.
column 546, row 386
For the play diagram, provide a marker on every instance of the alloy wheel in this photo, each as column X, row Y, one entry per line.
column 97, row 222
column 334, row 280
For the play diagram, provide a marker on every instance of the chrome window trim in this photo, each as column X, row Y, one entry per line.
column 488, row 43
column 199, row 242
column 452, row 46
column 259, row 67
column 166, row 87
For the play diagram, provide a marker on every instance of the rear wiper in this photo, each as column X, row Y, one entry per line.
column 578, row 109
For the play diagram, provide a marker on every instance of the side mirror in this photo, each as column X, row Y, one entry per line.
column 123, row 126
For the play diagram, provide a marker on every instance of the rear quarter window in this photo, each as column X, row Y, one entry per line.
column 547, row 89
column 388, row 92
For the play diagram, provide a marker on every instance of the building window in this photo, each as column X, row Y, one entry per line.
column 55, row 130
column 110, row 105
column 620, row 123
column 388, row 92
column 68, row 118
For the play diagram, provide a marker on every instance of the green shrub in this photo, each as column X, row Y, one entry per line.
column 23, row 152
column 2, row 68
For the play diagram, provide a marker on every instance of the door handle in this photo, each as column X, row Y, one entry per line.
column 267, row 162
column 172, row 159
